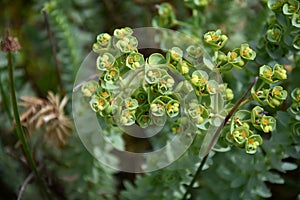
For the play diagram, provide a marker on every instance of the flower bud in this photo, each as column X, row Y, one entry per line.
column 229, row 94
column 10, row 44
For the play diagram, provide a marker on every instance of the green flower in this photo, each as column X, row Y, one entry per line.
column 246, row 52
column 296, row 95
column 272, row 75
column 276, row 97
column 198, row 113
column 261, row 121
column 123, row 32
column 127, row 117
column 98, row 103
column 165, row 84
column 183, row 67
column 266, row 74
column 101, row 92
column 175, row 54
column 135, row 60
column 296, row 41
column 195, row 110
column 257, row 112
column 112, row 75
column 259, row 95
column 274, row 34
column 279, row 72
column 267, row 123
column 234, row 58
column 215, row 39
column 127, row 44
column 212, row 86
column 157, row 108
column 144, row 120
column 296, row 20
column 240, row 135
column 172, row 108
column 165, row 9
column 166, row 16
column 153, row 75
column 296, row 129
column 256, row 115
column 221, row 61
column 199, row 78
column 131, row 103
column 290, row 7
column 220, row 58
column 294, row 109
column 240, row 119
column 275, row 5
column 104, row 40
column 97, row 48
column 194, row 51
column 89, row 88
column 105, row 61
column 252, row 143
column 140, row 95
column 143, row 117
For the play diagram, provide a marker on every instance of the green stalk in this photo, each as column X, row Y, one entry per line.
column 54, row 51
column 196, row 15
column 5, row 101
column 19, row 128
column 246, row 101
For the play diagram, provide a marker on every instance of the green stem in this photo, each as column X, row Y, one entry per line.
column 195, row 177
column 19, row 128
column 196, row 18
column 184, row 24
column 215, row 137
column 246, row 101
column 261, row 85
column 5, row 102
column 54, row 51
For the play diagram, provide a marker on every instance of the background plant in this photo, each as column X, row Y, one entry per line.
column 271, row 30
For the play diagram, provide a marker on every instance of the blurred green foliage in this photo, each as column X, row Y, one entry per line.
column 270, row 27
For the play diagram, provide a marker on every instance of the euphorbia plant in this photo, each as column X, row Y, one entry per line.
column 159, row 97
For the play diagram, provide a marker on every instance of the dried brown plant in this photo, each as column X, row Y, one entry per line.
column 47, row 113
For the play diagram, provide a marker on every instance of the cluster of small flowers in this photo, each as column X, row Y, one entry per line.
column 289, row 9
column 264, row 92
column 241, row 131
column 154, row 101
column 236, row 58
column 157, row 98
